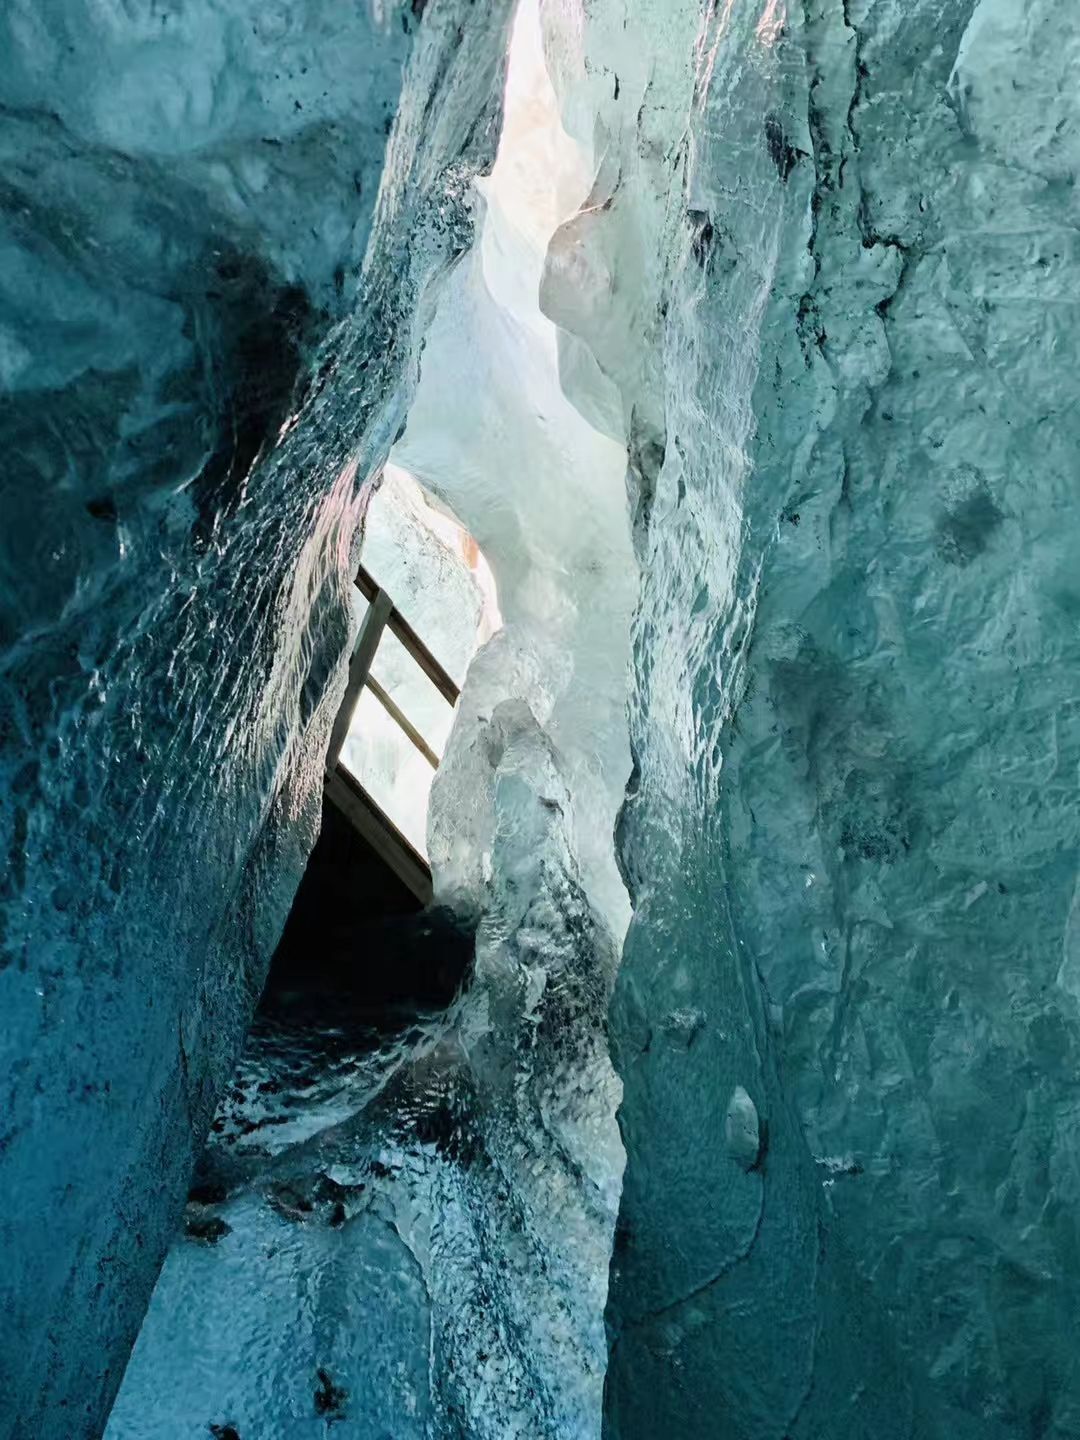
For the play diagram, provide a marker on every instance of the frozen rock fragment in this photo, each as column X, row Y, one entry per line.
column 742, row 1130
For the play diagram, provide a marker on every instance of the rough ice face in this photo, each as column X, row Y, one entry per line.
column 541, row 487
column 188, row 196
column 425, row 1220
column 473, row 1168
column 823, row 284
column 852, row 838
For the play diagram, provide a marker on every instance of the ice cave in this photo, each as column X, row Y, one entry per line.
column 540, row 719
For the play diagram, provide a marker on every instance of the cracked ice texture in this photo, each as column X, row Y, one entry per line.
column 194, row 196
column 852, row 837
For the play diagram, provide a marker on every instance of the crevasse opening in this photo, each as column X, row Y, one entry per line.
column 465, row 1162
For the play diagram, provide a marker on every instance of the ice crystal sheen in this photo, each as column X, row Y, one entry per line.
column 821, row 281
column 483, row 1159
column 852, row 839
column 216, row 224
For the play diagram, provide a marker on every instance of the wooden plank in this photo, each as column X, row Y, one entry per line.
column 380, row 832
column 403, row 722
column 365, row 584
column 367, row 643
column 400, row 627
column 342, row 788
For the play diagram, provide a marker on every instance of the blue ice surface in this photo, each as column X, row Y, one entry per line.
column 206, row 307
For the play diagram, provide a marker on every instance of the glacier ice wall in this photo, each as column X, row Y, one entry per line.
column 540, row 486
column 408, row 1235
column 214, row 236
column 846, row 1020
column 822, row 282
column 426, row 1218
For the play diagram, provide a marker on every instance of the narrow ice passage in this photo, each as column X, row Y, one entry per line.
column 457, row 1184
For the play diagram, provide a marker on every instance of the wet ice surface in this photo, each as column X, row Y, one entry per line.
column 853, row 843
column 424, row 1218
column 194, row 197
column 823, row 281
column 485, row 1167
column 269, row 1243
column 493, row 434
